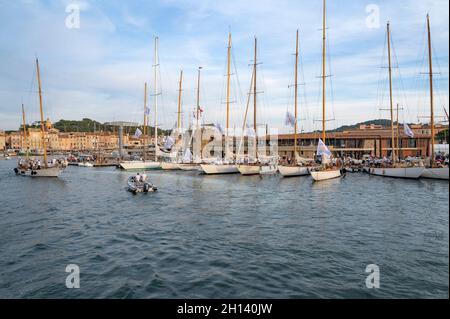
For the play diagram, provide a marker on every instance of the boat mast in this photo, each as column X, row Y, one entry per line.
column 145, row 120
column 180, row 90
column 156, row 96
column 398, row 132
column 228, row 92
column 430, row 61
column 390, row 93
column 42, row 114
column 255, row 125
column 324, row 70
column 25, row 137
column 296, row 97
column 198, row 96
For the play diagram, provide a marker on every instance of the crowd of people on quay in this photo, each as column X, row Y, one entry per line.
column 440, row 161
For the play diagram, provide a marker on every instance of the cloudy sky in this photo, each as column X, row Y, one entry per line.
column 98, row 70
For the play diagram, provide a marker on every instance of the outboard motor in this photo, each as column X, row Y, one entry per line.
column 16, row 170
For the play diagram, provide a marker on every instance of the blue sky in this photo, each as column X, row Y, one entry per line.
column 98, row 71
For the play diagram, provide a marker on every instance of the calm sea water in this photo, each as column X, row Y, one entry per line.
column 222, row 237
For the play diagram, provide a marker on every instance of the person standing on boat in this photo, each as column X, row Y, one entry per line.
column 144, row 177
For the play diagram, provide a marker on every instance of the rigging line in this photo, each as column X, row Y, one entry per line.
column 438, row 65
column 333, row 104
column 401, row 88
column 330, row 76
column 381, row 85
column 302, row 77
column 419, row 80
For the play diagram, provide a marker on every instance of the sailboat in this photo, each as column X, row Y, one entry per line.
column 189, row 163
column 396, row 170
column 35, row 168
column 325, row 172
column 253, row 168
column 173, row 164
column 145, row 164
column 298, row 169
column 432, row 171
column 226, row 166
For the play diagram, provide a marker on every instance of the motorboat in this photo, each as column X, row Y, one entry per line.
column 136, row 186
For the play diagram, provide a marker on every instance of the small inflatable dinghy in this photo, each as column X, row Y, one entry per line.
column 140, row 187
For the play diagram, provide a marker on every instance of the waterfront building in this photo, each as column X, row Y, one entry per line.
column 2, row 141
column 372, row 140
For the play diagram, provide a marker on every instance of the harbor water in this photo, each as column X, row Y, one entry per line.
column 222, row 236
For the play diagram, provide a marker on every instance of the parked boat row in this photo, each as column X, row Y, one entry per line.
column 175, row 156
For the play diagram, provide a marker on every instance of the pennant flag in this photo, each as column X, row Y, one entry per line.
column 147, row 111
column 169, row 143
column 290, row 119
column 408, row 131
column 322, row 149
column 138, row 133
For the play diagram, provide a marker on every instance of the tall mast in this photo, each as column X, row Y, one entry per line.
column 324, row 70
column 25, row 137
column 156, row 96
column 180, row 89
column 228, row 82
column 296, row 97
column 390, row 93
column 198, row 96
column 145, row 120
column 255, row 124
column 228, row 93
column 42, row 114
column 430, row 61
column 398, row 133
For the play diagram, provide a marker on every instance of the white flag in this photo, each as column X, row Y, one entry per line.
column 250, row 131
column 187, row 158
column 408, row 131
column 322, row 149
column 219, row 128
column 147, row 111
column 290, row 119
column 138, row 133
column 169, row 143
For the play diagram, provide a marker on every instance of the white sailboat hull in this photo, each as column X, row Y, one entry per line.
column 140, row 165
column 248, row 170
column 292, row 171
column 216, row 169
column 170, row 166
column 398, row 172
column 189, row 167
column 43, row 172
column 436, row 173
column 325, row 175
column 269, row 170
